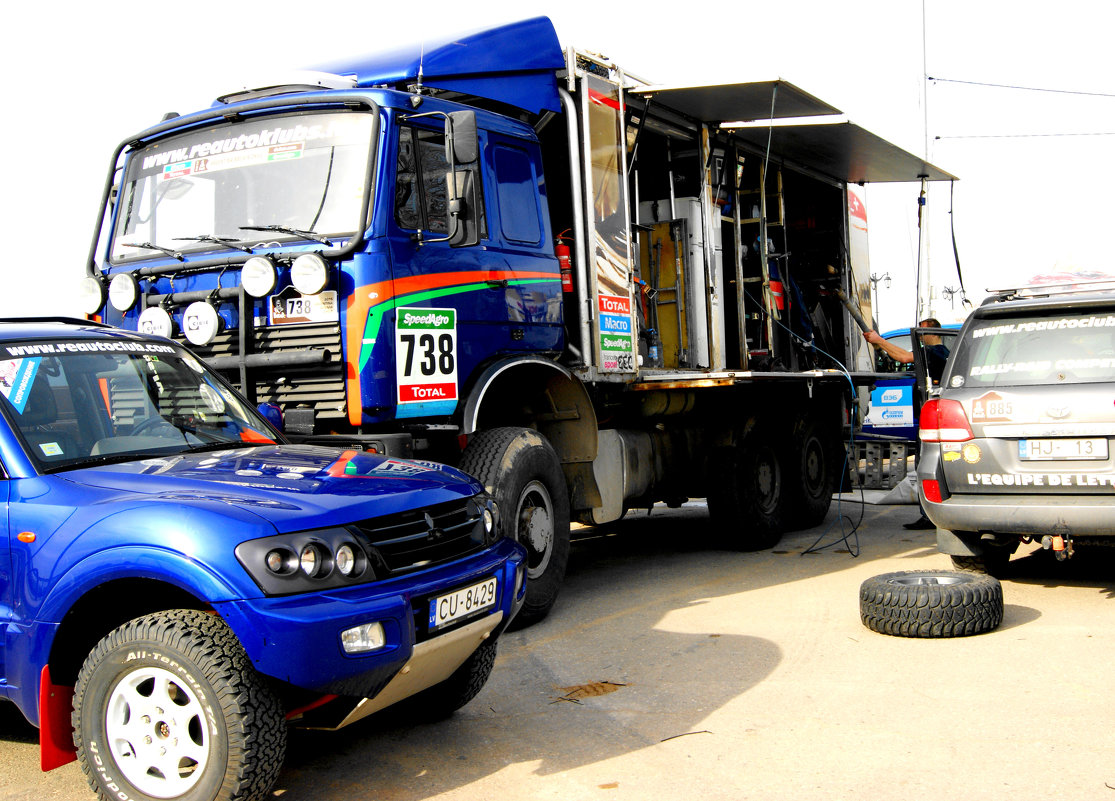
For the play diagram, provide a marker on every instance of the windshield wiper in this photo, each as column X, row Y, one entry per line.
column 282, row 229
column 218, row 240
column 152, row 246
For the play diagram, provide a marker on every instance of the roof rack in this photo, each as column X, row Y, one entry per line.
column 1045, row 290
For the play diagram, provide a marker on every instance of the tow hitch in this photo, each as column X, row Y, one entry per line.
column 1060, row 544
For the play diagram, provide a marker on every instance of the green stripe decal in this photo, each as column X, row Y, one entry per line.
column 375, row 313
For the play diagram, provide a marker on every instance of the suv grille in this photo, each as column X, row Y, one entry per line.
column 422, row 538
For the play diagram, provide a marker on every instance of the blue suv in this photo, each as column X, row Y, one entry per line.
column 178, row 583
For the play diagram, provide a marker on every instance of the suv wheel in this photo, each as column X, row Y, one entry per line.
column 169, row 706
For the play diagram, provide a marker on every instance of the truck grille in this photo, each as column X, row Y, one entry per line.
column 422, row 538
column 320, row 385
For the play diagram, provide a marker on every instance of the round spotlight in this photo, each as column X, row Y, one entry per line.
column 309, row 273
column 200, row 323
column 313, row 562
column 281, row 562
column 91, row 295
column 346, row 560
column 156, row 321
column 123, row 291
column 258, row 276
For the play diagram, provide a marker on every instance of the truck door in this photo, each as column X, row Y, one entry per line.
column 448, row 302
column 456, row 308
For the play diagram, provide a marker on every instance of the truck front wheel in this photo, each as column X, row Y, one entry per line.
column 442, row 700
column 522, row 472
column 168, row 706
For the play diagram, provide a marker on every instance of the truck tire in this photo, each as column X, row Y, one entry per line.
column 169, row 706
column 522, row 472
column 745, row 498
column 813, row 465
column 923, row 603
column 442, row 700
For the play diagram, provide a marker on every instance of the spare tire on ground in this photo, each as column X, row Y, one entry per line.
column 928, row 603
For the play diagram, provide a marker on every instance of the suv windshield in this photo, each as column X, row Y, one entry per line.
column 302, row 172
column 77, row 402
column 1037, row 349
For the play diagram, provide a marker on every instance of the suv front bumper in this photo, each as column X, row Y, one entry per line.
column 297, row 639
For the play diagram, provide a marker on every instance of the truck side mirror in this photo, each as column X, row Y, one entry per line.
column 460, row 135
column 461, row 191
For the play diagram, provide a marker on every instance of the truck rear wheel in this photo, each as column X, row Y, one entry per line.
column 522, row 472
column 745, row 498
column 168, row 706
column 812, row 469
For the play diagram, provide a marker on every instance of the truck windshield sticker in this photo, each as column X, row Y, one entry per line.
column 268, row 143
column 16, row 378
column 426, row 361
column 228, row 161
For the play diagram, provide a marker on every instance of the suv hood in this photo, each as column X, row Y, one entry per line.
column 292, row 486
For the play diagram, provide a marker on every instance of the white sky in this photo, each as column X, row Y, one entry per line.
column 82, row 79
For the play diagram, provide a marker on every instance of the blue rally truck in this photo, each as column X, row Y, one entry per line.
column 590, row 292
column 178, row 583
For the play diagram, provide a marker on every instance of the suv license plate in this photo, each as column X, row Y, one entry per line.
column 1062, row 449
column 444, row 609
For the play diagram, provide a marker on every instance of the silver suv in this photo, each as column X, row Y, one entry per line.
column 1017, row 442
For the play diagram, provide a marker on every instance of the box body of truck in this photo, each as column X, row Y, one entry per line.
column 593, row 293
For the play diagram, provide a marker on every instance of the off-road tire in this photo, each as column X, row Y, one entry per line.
column 442, row 700
column 926, row 603
column 520, row 469
column 194, row 661
column 746, row 496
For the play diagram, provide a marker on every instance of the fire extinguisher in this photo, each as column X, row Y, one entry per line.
column 561, row 250
column 777, row 293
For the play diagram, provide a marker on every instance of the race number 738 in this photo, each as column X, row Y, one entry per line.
column 426, row 359
column 434, row 355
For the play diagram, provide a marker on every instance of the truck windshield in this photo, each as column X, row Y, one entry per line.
column 1056, row 348
column 299, row 172
column 75, row 403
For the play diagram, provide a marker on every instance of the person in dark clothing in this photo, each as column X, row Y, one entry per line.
column 936, row 354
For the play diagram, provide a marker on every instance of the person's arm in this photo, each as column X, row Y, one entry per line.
column 894, row 351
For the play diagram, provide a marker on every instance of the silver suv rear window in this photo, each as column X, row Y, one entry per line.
column 1055, row 349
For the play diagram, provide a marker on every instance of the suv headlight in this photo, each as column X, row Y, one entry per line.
column 306, row 561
